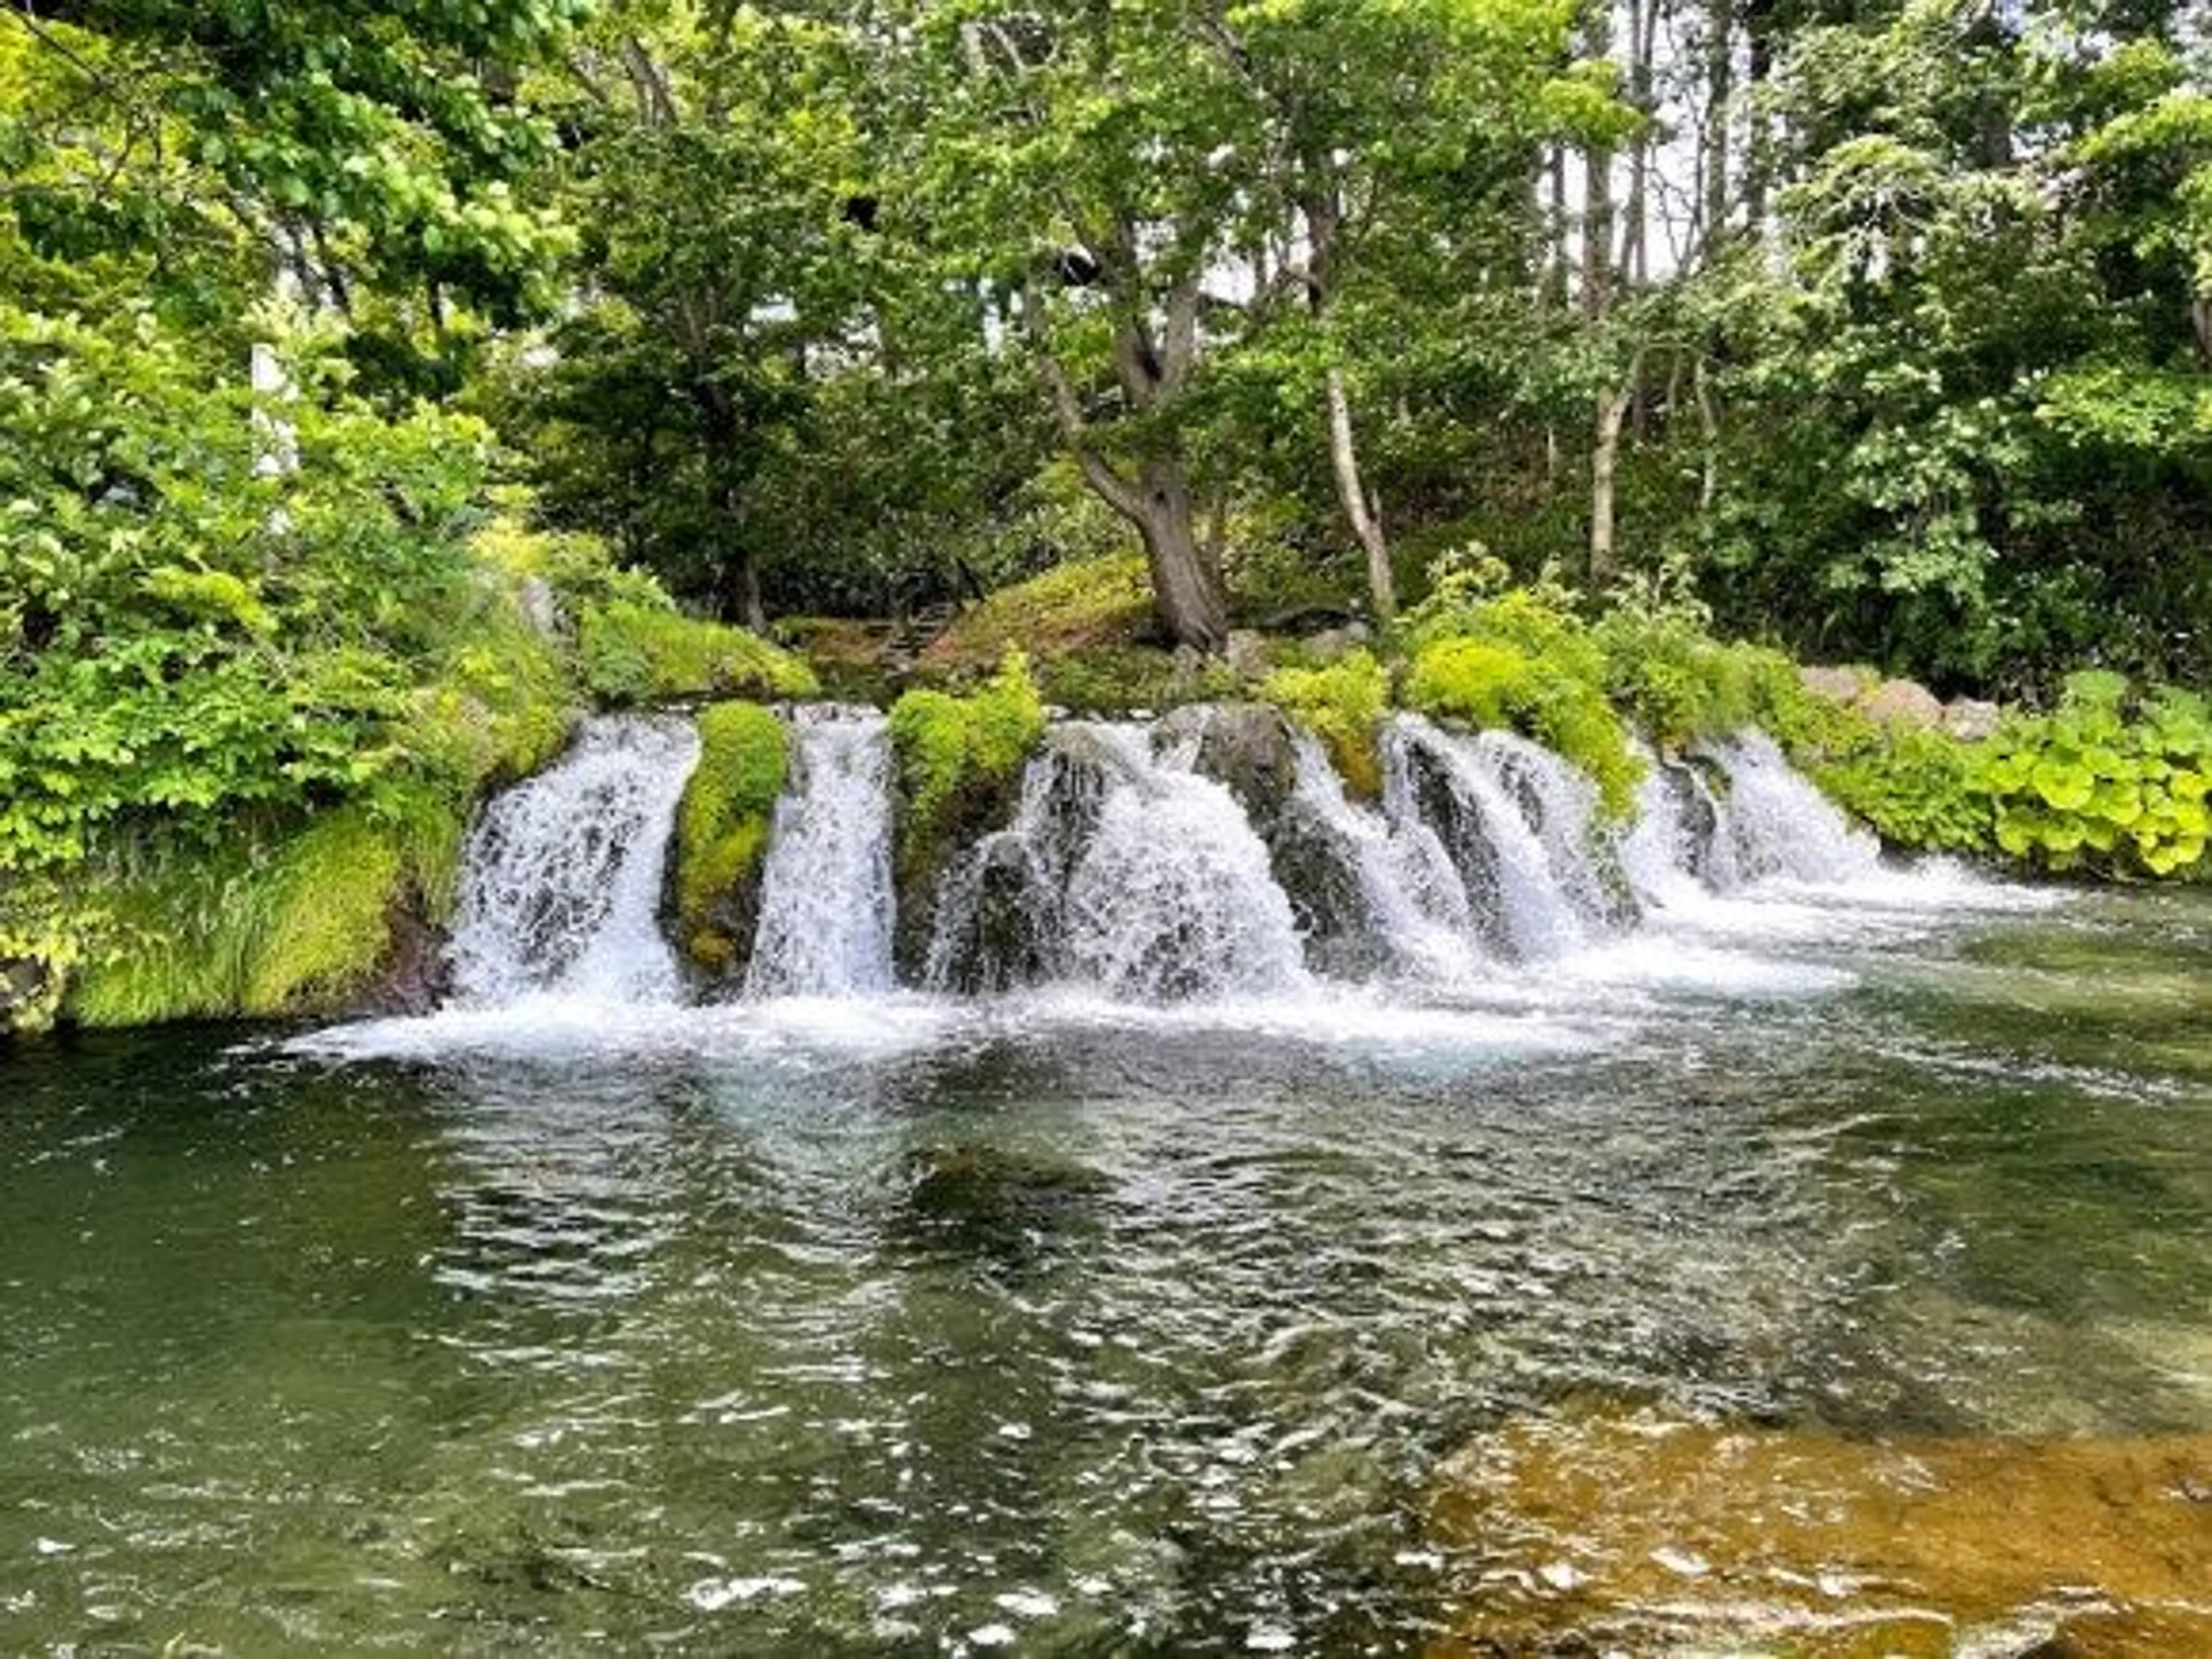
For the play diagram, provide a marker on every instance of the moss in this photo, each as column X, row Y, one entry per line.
column 722, row 827
column 949, row 746
column 630, row 653
column 960, row 761
column 1076, row 607
column 1341, row 704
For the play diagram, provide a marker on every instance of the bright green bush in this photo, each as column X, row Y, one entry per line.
column 1916, row 787
column 2086, row 786
column 633, row 653
column 1489, row 683
column 722, row 823
column 1341, row 704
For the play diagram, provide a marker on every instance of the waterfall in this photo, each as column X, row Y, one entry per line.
column 1123, row 869
column 827, row 904
column 1528, row 887
column 1214, row 853
column 1410, row 901
column 562, row 874
column 1772, row 821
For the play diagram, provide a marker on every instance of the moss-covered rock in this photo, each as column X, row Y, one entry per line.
column 960, row 761
column 721, row 833
column 630, row 653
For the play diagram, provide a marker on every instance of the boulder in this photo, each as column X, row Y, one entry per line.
column 1334, row 644
column 27, row 994
column 1903, row 702
column 1246, row 747
column 1246, row 654
column 1971, row 720
column 1837, row 684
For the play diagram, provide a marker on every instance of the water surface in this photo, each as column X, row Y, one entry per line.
column 893, row 1326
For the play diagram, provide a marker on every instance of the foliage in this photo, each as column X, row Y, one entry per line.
column 1915, row 786
column 2086, row 787
column 631, row 654
column 1341, row 704
column 722, row 823
column 280, row 923
column 1519, row 658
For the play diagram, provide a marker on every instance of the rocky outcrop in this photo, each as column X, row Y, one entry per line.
column 1246, row 747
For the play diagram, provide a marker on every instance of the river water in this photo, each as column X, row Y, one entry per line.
column 888, row 1325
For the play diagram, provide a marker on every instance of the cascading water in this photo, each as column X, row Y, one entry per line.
column 1211, row 855
column 1123, row 869
column 827, row 903
column 562, row 873
column 1467, row 792
column 1773, row 824
column 1411, row 900
column 1174, row 896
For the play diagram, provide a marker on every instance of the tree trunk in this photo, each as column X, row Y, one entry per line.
column 1187, row 590
column 1366, row 523
column 738, row 589
column 1720, row 76
column 1611, row 407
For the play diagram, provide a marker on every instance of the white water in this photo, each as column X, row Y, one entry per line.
column 827, row 904
column 1413, row 897
column 562, row 874
column 1775, row 824
column 1511, row 875
column 1127, row 881
column 1173, row 896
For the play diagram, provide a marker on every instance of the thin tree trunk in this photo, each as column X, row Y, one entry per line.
column 1366, row 522
column 1709, row 431
column 1720, row 75
column 1611, row 407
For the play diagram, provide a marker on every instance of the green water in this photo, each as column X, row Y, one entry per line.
column 898, row 1329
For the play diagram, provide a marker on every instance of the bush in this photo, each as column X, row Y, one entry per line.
column 2086, row 787
column 1559, row 700
column 1341, row 704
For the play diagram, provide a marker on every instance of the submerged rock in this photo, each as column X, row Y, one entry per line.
column 1654, row 1535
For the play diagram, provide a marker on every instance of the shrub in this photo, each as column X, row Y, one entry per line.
column 1341, row 704
column 2086, row 787
column 1560, row 700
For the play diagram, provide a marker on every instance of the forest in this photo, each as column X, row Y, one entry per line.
column 382, row 385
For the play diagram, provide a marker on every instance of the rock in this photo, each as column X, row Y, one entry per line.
column 541, row 607
column 1246, row 746
column 974, row 1199
column 415, row 976
column 997, row 930
column 27, row 995
column 1903, row 702
column 1971, row 720
column 1246, row 654
column 1726, row 1537
column 1837, row 684
column 1320, row 874
column 1334, row 644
